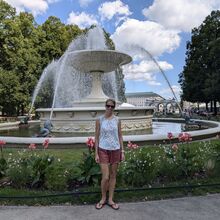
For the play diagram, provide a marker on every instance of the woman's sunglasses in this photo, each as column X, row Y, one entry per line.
column 110, row 106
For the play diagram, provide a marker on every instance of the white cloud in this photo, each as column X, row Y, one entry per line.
column 85, row 3
column 145, row 70
column 35, row 7
column 81, row 19
column 180, row 14
column 147, row 35
column 108, row 10
column 168, row 94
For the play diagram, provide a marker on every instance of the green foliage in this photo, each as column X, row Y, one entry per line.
column 186, row 162
column 9, row 89
column 39, row 166
column 3, row 167
column 143, row 166
column 140, row 168
column 25, row 50
column 20, row 173
column 29, row 169
column 56, row 178
column 90, row 170
column 200, row 77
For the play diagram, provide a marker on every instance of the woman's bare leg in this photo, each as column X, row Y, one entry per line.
column 104, row 181
column 112, row 182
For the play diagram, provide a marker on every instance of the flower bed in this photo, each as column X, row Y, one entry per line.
column 144, row 166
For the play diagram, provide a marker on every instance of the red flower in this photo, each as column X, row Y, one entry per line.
column 32, row 146
column 46, row 143
column 2, row 143
column 170, row 135
column 90, row 143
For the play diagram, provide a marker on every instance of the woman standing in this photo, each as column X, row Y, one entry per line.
column 109, row 152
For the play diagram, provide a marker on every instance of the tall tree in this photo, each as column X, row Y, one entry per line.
column 200, row 77
column 9, row 92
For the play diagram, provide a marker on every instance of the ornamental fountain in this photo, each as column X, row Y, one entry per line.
column 90, row 63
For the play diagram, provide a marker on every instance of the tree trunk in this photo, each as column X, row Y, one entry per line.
column 206, row 106
column 211, row 106
column 22, row 109
column 215, row 107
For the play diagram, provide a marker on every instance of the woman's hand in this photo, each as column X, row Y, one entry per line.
column 96, row 158
column 122, row 155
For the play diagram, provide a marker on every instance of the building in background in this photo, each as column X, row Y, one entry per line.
column 152, row 99
column 143, row 98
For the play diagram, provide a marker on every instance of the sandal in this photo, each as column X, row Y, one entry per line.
column 114, row 206
column 99, row 205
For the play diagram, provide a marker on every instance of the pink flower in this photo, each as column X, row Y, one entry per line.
column 2, row 143
column 90, row 143
column 170, row 135
column 32, row 146
column 184, row 137
column 130, row 145
column 46, row 143
column 175, row 147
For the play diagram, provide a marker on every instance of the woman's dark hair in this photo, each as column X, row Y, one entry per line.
column 110, row 100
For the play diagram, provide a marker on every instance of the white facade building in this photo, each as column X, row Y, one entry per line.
column 143, row 98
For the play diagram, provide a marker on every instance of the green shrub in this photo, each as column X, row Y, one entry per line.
column 186, row 161
column 19, row 173
column 56, row 178
column 140, row 168
column 73, row 176
column 89, row 170
column 3, row 167
column 39, row 165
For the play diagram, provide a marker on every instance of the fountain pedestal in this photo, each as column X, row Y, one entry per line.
column 97, row 96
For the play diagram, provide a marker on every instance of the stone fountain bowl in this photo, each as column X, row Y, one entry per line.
column 97, row 60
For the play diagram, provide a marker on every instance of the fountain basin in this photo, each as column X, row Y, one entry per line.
column 103, row 61
column 71, row 142
column 82, row 119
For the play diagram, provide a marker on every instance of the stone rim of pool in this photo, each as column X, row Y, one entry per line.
column 68, row 142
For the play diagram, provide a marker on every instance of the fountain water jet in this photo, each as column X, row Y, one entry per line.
column 85, row 64
column 145, row 52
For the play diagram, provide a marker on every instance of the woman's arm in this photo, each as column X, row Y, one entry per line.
column 97, row 133
column 120, row 136
column 121, row 140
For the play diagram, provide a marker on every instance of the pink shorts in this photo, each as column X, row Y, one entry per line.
column 109, row 156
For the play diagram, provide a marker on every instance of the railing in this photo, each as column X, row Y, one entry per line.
column 77, row 193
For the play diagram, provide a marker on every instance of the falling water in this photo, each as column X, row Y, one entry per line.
column 144, row 52
column 96, row 39
column 59, row 72
column 47, row 74
column 71, row 85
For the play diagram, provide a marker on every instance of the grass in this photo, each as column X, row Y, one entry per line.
column 67, row 156
column 131, row 196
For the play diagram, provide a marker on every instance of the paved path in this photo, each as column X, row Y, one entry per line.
column 189, row 208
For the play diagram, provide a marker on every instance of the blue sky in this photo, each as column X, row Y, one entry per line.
column 162, row 27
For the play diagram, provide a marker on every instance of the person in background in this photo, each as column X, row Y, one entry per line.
column 109, row 152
